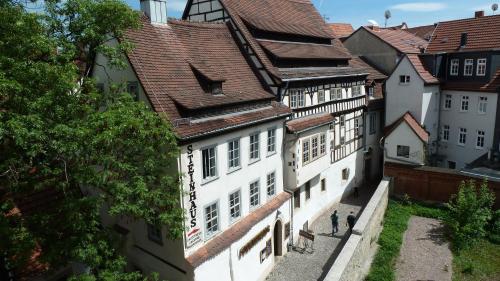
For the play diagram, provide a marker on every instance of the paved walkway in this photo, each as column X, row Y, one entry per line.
column 306, row 266
column 425, row 253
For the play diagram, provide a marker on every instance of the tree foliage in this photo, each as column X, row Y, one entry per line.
column 81, row 150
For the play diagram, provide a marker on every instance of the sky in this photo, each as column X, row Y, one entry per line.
column 359, row 12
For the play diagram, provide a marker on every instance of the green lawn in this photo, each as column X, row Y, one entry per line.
column 479, row 263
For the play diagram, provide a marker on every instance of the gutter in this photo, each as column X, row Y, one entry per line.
column 324, row 77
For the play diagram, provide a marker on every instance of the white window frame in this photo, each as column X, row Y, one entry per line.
column 407, row 156
column 371, row 92
column 233, row 205
column 306, row 151
column 314, row 147
column 448, row 99
column 216, row 170
column 464, row 103
column 271, row 184
column 482, row 105
column 321, row 96
column 254, row 149
column 251, row 196
column 342, row 121
column 480, row 139
column 322, row 144
column 233, row 158
column 446, row 133
column 468, row 65
column 481, row 67
column 212, row 233
column 336, row 94
column 356, row 91
column 454, row 67
column 407, row 80
column 271, row 141
column 462, row 132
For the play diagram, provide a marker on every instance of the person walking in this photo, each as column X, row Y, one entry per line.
column 335, row 222
column 351, row 221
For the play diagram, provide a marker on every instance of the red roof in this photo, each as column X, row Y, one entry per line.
column 422, row 71
column 294, row 50
column 400, row 39
column 483, row 33
column 341, row 30
column 412, row 123
column 425, row 32
column 493, row 86
column 299, row 125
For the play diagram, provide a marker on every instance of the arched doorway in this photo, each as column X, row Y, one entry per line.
column 278, row 239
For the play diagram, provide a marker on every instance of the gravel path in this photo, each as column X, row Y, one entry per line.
column 425, row 253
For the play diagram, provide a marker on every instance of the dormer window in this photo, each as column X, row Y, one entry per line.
column 216, row 88
column 210, row 80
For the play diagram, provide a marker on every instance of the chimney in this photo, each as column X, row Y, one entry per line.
column 156, row 10
column 375, row 28
column 463, row 40
column 479, row 14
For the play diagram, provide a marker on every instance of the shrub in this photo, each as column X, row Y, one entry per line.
column 469, row 213
column 494, row 228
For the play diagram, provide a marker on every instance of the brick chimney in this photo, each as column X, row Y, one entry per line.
column 479, row 14
column 156, row 10
column 375, row 28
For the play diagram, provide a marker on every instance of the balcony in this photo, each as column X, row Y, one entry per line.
column 333, row 106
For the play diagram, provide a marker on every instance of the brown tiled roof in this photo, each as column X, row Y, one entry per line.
column 419, row 66
column 236, row 232
column 483, row 33
column 414, row 125
column 291, row 50
column 213, row 125
column 425, row 32
column 283, row 16
column 400, row 39
column 362, row 63
column 493, row 86
column 320, row 72
column 341, row 29
column 309, row 122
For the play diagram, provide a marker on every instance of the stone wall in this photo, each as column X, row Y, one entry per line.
column 353, row 262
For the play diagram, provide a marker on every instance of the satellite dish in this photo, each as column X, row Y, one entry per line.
column 494, row 7
column 373, row 22
column 387, row 16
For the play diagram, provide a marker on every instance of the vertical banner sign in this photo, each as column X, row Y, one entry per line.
column 194, row 232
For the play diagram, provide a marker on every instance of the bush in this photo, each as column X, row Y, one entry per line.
column 469, row 213
column 494, row 228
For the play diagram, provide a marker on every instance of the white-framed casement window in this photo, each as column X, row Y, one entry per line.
column 336, row 94
column 356, row 91
column 154, row 233
column 357, row 132
column 297, row 98
column 454, row 66
column 322, row 144
column 446, row 133
column 211, row 219
column 447, row 102
column 314, row 147
column 321, row 96
column 254, row 194
column 373, row 123
column 404, row 79
column 342, row 120
column 462, row 136
column 271, row 141
column 465, row 104
column 234, row 206
column 480, row 139
column 293, row 99
column 371, row 92
column 233, row 155
column 209, row 163
column 481, row 67
column 271, row 184
column 254, row 147
column 468, row 67
column 482, row 105
column 403, row 151
column 306, row 146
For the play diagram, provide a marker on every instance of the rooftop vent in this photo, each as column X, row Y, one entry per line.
column 463, row 40
column 479, row 14
column 156, row 10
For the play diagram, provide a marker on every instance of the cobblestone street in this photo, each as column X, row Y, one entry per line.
column 300, row 265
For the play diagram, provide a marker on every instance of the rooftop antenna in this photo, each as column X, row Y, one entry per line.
column 387, row 16
column 494, row 7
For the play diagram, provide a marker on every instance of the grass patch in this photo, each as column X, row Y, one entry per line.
column 481, row 262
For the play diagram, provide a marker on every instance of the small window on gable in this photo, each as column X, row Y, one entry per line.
column 404, row 79
column 133, row 89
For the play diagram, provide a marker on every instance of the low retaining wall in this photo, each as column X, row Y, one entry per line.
column 353, row 262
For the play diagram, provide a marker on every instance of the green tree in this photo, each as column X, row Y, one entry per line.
column 469, row 213
column 63, row 140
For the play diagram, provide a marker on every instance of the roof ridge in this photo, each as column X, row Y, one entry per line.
column 197, row 24
column 469, row 19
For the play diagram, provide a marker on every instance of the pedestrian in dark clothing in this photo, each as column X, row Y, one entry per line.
column 335, row 222
column 351, row 221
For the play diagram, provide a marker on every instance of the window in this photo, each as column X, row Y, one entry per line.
column 371, row 92
column 308, row 190
column 321, row 96
column 234, row 206
column 356, row 127
column 254, row 147
column 403, row 151
column 215, row 88
column 296, row 198
column 342, row 140
column 209, row 159
column 483, row 103
column 233, row 151
column 468, row 67
column 404, row 79
column 465, row 103
column 305, row 151
column 447, row 102
column 323, row 184
column 446, row 133
column 271, row 184
column 154, row 233
column 462, row 136
column 336, row 94
column 356, row 91
column 133, row 89
column 455, row 64
column 481, row 67
column 314, row 147
column 480, row 139
column 345, row 174
column 322, row 144
column 271, row 141
column 254, row 194
column 373, row 123
column 297, row 98
column 211, row 219
column 342, row 121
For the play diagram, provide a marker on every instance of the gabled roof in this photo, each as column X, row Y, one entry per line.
column 295, row 50
column 362, row 63
column 399, row 39
column 309, row 122
column 341, row 30
column 412, row 123
column 423, row 72
column 425, row 32
column 483, row 33
column 492, row 86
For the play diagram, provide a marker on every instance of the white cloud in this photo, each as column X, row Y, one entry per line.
column 176, row 5
column 420, row 7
